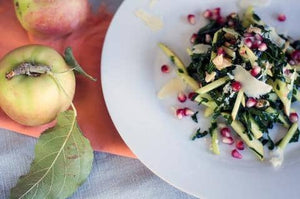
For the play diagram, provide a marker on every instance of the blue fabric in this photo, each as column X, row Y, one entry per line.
column 111, row 177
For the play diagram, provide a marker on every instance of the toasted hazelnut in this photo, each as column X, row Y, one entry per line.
column 210, row 77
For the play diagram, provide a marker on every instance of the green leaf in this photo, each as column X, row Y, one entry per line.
column 63, row 161
column 71, row 61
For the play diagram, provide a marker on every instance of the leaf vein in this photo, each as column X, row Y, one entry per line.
column 53, row 139
column 54, row 161
column 64, row 155
column 35, row 192
column 77, row 150
column 50, row 154
column 51, row 183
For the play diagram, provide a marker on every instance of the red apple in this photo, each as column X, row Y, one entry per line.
column 35, row 99
column 51, row 17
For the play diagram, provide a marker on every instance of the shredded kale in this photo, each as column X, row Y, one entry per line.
column 228, row 118
column 219, row 42
column 295, row 138
column 172, row 59
column 290, row 95
column 297, row 82
column 245, row 119
column 201, row 65
column 264, row 119
column 199, row 134
column 275, row 56
column 209, row 29
column 237, row 24
column 212, row 127
column 256, row 17
column 203, row 99
column 194, row 117
column 296, row 44
column 197, row 67
column 180, row 70
column 269, row 141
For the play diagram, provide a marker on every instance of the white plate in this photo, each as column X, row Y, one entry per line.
column 131, row 77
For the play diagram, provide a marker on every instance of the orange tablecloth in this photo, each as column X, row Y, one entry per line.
column 87, row 44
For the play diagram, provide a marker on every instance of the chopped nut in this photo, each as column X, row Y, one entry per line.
column 268, row 65
column 210, row 77
column 229, row 36
column 220, row 62
column 261, row 103
column 254, row 29
column 227, row 44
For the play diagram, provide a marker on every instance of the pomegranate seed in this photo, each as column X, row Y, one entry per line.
column 281, row 17
column 236, row 86
column 214, row 17
column 262, row 47
column 217, row 11
column 227, row 140
column 180, row 113
column 248, row 42
column 256, row 44
column 220, row 51
column 243, row 51
column 232, row 41
column 220, row 20
column 292, row 62
column 293, row 117
column 296, row 56
column 251, row 102
column 188, row 112
column 248, row 34
column 207, row 38
column 192, row 95
column 207, row 14
column 225, row 132
column 181, row 97
column 255, row 71
column 258, row 37
column 165, row 68
column 236, row 154
column 240, row 145
column 286, row 71
column 191, row 19
column 193, row 38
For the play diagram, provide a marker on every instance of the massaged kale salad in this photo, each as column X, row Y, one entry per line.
column 246, row 75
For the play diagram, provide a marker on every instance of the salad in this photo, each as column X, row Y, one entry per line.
column 246, row 75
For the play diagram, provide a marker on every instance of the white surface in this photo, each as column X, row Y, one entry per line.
column 131, row 77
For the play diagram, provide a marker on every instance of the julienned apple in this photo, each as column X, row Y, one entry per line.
column 35, row 98
column 51, row 17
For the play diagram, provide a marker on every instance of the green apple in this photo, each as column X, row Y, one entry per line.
column 35, row 99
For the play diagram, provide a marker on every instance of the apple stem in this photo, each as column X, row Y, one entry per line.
column 28, row 69
column 63, row 72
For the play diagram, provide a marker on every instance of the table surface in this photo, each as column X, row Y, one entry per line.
column 111, row 177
